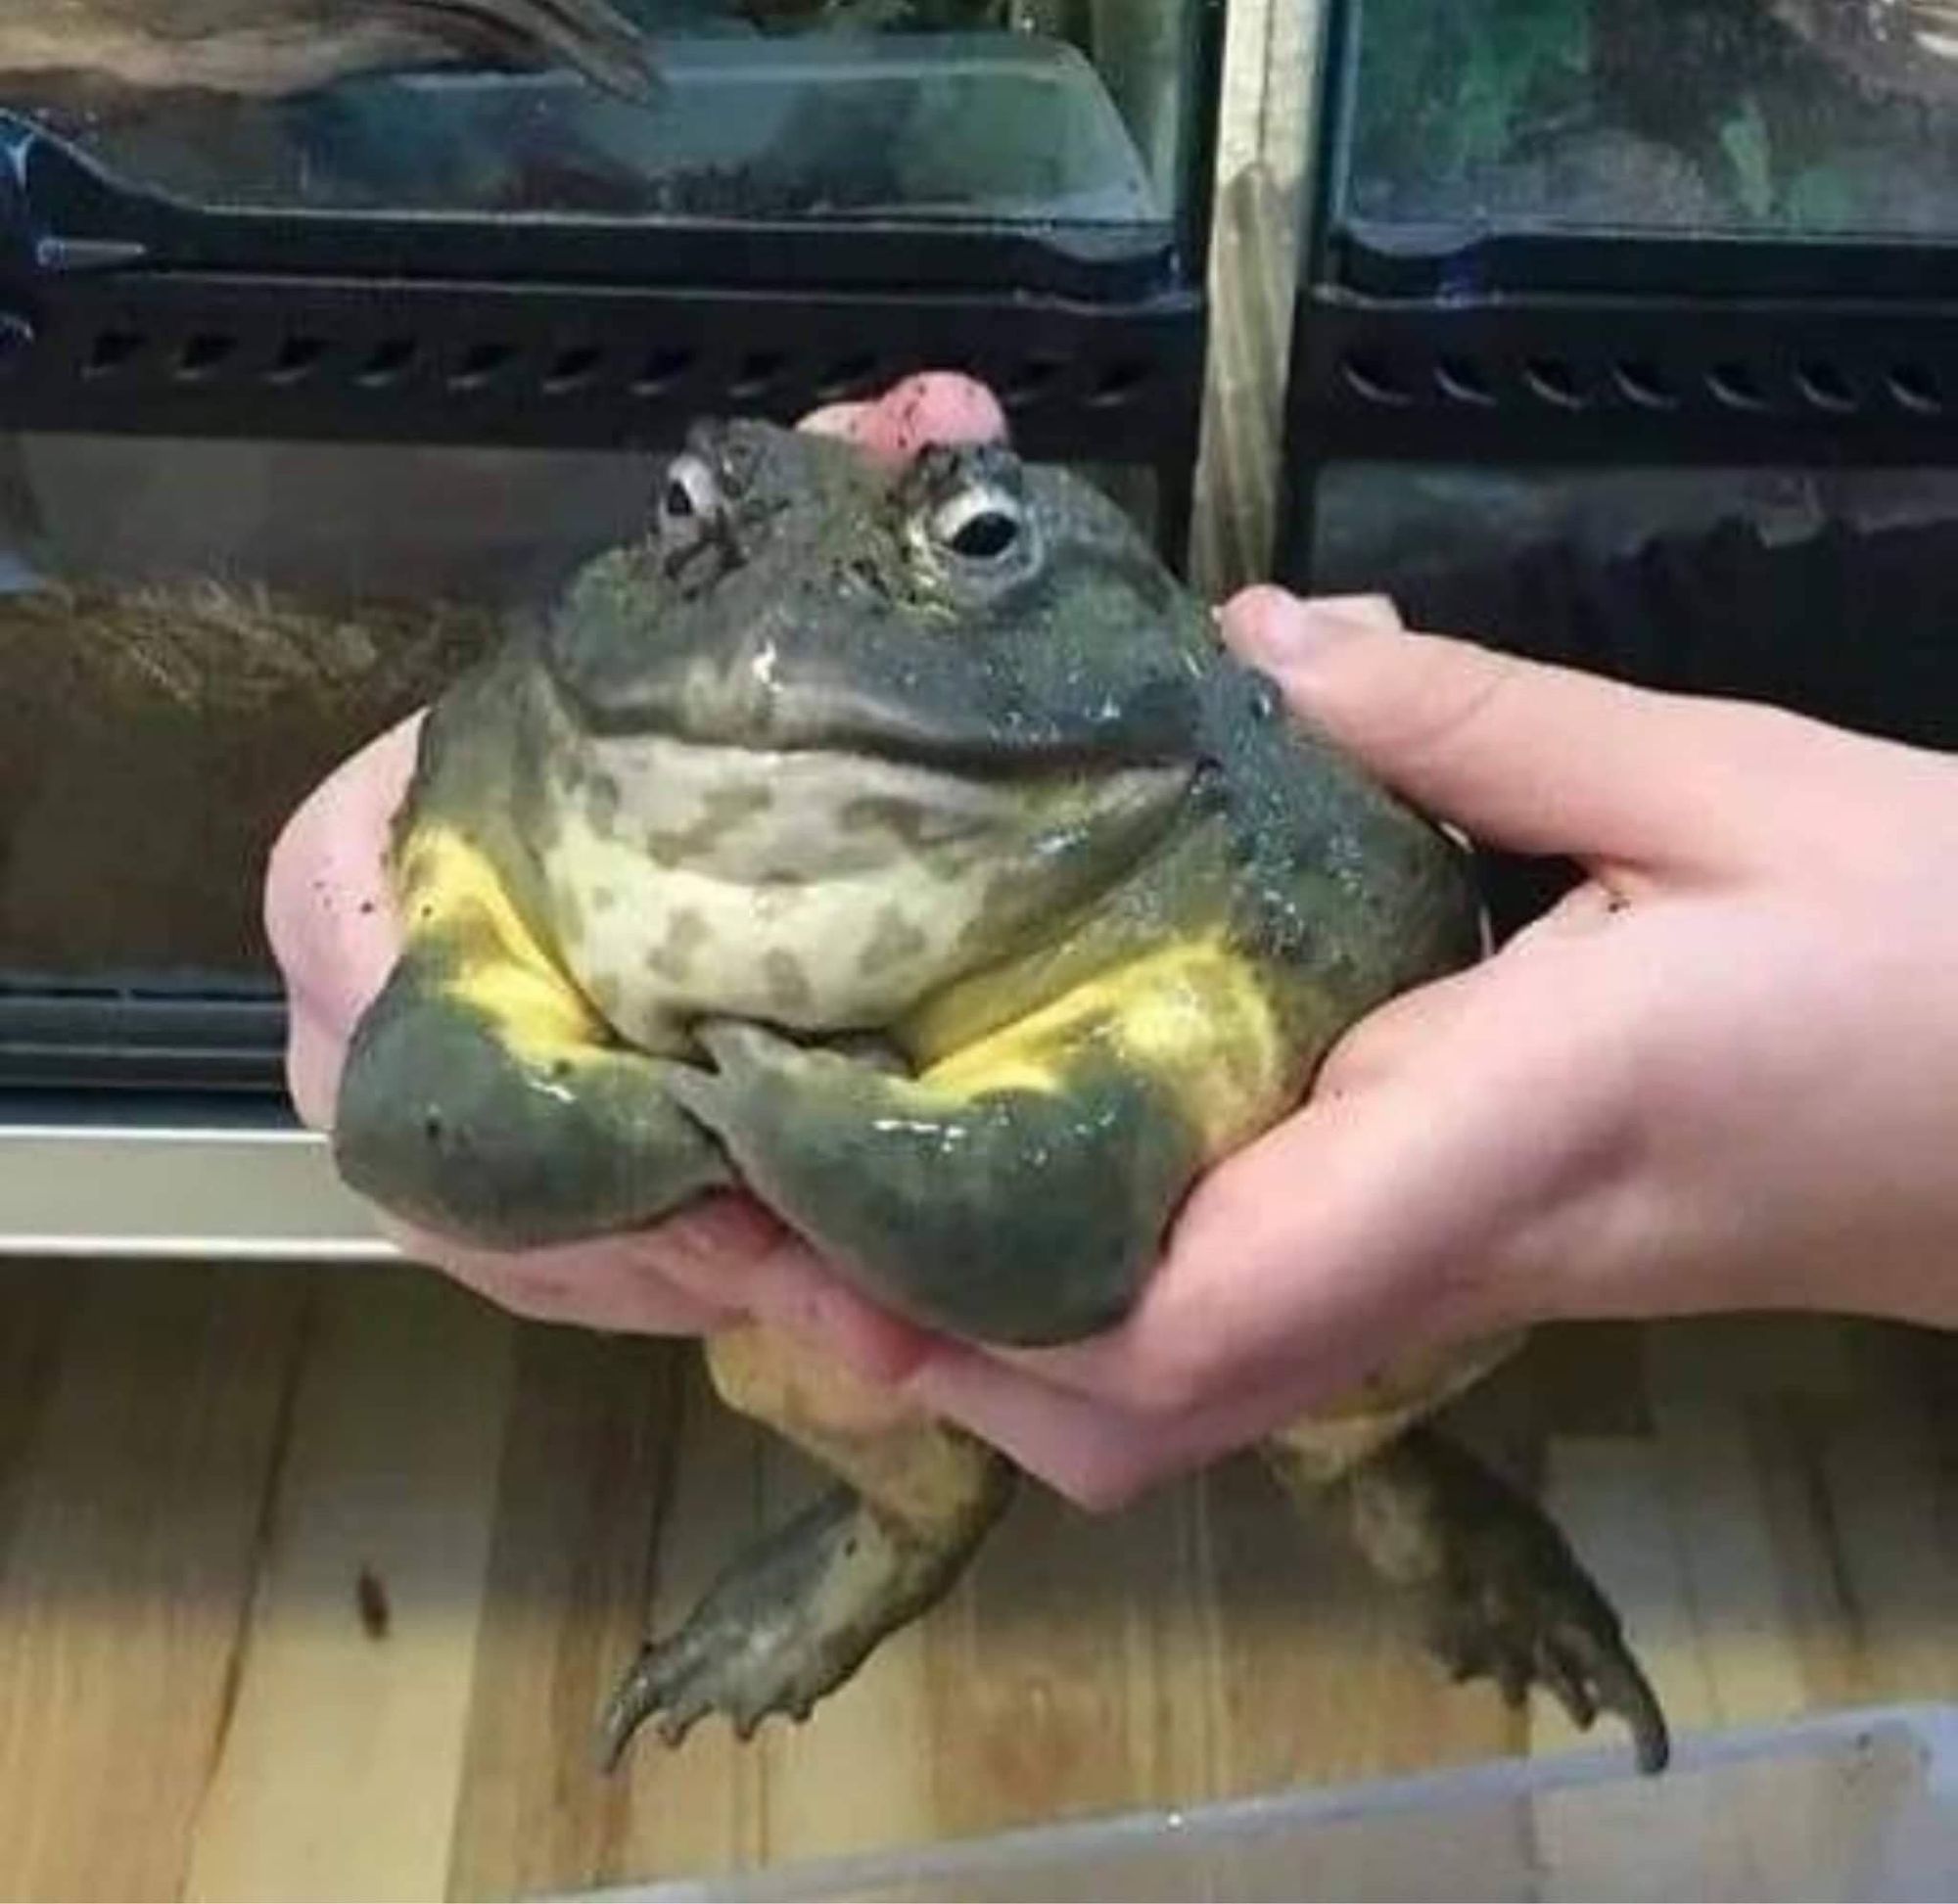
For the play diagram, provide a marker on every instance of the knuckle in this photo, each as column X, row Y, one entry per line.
column 1454, row 706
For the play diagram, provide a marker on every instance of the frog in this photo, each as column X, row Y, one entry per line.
column 898, row 845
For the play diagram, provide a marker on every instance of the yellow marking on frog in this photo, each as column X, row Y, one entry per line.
column 917, row 1470
column 1194, row 1016
column 451, row 893
column 1345, row 1429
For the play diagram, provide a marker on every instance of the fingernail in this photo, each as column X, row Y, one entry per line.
column 1282, row 631
column 1376, row 611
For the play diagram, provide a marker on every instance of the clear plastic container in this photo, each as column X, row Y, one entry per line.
column 1856, row 1807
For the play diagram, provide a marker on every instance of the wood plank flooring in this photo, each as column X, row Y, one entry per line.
column 310, row 1583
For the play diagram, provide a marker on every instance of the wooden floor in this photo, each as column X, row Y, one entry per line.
column 310, row 1582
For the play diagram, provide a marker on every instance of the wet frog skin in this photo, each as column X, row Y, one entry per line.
column 902, row 847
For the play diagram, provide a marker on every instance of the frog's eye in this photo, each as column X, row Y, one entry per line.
column 984, row 524
column 689, row 499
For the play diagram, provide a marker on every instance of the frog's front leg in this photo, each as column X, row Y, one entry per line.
column 1018, row 1190
column 481, row 1095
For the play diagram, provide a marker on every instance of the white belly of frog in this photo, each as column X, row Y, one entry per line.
column 654, row 945
column 813, row 890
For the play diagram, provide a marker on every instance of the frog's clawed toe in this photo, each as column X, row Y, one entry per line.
column 705, row 1667
column 1518, row 1609
column 784, row 1625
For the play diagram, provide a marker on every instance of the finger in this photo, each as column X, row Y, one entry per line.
column 1410, row 1027
column 629, row 1283
column 327, row 910
column 1098, row 1456
column 599, row 1285
column 932, row 407
column 1383, row 1043
column 1532, row 758
column 316, row 1056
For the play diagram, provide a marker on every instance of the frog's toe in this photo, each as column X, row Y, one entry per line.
column 792, row 1619
column 740, row 1091
column 759, row 1643
column 741, row 1048
column 1515, row 1606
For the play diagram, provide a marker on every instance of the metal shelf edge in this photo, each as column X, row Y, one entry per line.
column 178, row 1191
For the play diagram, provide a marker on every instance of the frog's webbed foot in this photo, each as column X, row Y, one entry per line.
column 1502, row 1594
column 788, row 1622
column 753, row 1646
column 794, row 1618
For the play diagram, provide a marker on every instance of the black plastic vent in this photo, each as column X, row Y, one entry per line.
column 1494, row 380
column 1603, row 379
column 178, row 355
column 135, row 363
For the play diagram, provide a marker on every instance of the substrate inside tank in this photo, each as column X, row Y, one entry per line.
column 193, row 633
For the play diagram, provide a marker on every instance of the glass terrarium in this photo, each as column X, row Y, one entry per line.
column 1625, row 335
column 1628, row 337
column 1804, row 118
column 1078, row 119
column 326, row 347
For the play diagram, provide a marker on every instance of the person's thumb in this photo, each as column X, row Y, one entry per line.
column 1521, row 755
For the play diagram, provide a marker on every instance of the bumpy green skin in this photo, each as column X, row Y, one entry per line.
column 1334, row 895
column 1178, row 900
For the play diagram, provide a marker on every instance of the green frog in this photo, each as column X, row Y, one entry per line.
column 901, row 846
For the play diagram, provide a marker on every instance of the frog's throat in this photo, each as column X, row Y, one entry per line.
column 820, row 891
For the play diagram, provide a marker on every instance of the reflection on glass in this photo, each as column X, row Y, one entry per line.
column 1022, row 111
column 1803, row 116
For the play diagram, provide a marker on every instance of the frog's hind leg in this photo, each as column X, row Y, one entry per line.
column 1499, row 1589
column 794, row 1618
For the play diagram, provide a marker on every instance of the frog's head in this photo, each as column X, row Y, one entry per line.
column 962, row 612
column 889, row 720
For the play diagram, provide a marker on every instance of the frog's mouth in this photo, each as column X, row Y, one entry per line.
column 1153, row 726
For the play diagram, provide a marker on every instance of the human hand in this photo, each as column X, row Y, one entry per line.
column 330, row 919
column 1721, row 1075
